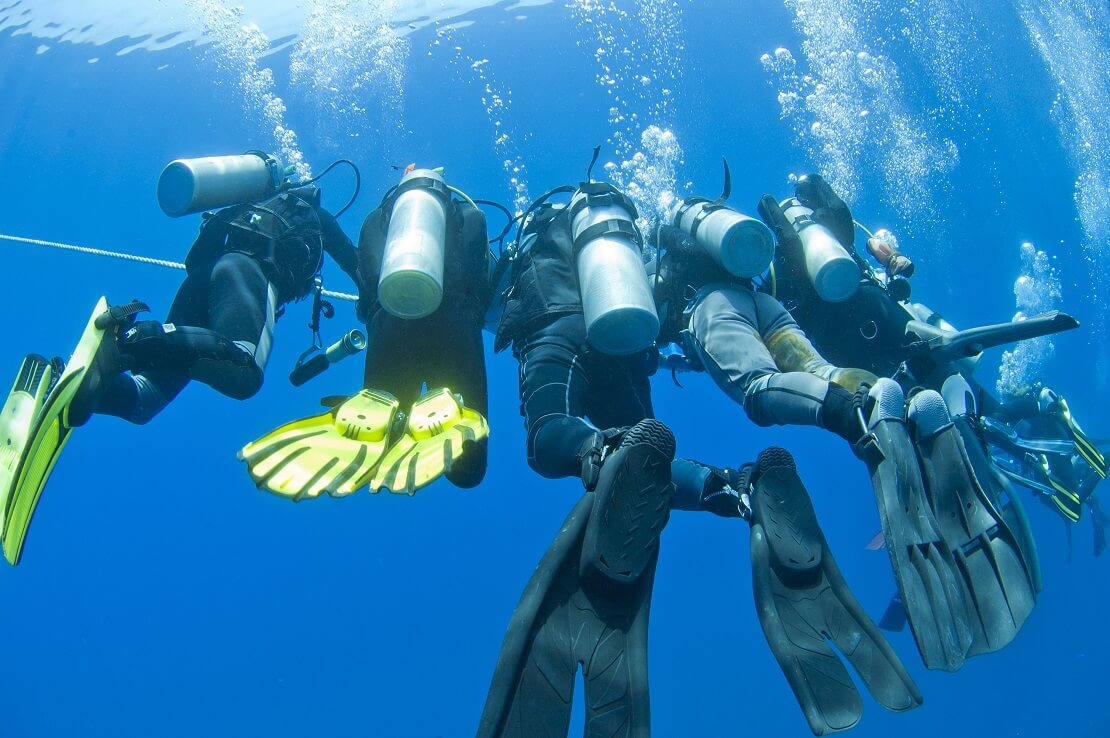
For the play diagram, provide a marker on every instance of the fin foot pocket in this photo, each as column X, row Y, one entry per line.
column 633, row 503
column 440, row 429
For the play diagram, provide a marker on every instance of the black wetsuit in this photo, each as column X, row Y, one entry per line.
column 443, row 349
column 248, row 262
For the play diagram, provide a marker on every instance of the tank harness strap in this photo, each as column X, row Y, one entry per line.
column 598, row 194
column 435, row 186
column 273, row 166
column 804, row 220
column 614, row 227
column 711, row 206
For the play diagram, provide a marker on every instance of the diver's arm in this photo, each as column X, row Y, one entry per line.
column 339, row 246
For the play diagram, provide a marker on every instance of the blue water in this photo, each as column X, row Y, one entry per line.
column 160, row 594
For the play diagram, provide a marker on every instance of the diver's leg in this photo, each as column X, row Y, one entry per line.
column 242, row 307
column 619, row 394
column 227, row 349
column 725, row 331
column 395, row 357
column 554, row 386
column 138, row 397
column 460, row 363
column 699, row 487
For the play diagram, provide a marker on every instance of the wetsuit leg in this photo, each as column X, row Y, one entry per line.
column 139, row 396
column 242, row 305
column 562, row 382
column 461, row 365
column 396, row 356
column 222, row 322
column 727, row 326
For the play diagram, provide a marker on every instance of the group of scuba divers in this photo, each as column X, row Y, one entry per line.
column 784, row 314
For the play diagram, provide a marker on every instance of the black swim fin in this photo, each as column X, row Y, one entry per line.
column 928, row 581
column 804, row 603
column 943, row 346
column 1000, row 590
column 587, row 604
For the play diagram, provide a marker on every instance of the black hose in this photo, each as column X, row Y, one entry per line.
column 590, row 169
column 535, row 204
column 358, row 182
column 728, row 183
column 500, row 238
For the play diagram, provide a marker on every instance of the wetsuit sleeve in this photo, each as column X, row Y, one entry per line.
column 338, row 246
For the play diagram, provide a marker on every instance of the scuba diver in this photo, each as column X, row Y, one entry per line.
column 708, row 255
column 877, row 327
column 1037, row 443
column 423, row 258
column 960, row 572
column 579, row 315
column 252, row 257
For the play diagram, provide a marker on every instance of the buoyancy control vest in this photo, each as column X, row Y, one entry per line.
column 283, row 233
column 545, row 281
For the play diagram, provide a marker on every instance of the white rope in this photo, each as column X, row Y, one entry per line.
column 140, row 259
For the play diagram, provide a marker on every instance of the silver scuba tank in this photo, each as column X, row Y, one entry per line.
column 835, row 275
column 616, row 297
column 742, row 245
column 411, row 282
column 195, row 185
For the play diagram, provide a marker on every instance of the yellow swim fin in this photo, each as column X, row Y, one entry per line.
column 67, row 406
column 1083, row 444
column 18, row 416
column 1066, row 500
column 438, row 428
column 335, row 452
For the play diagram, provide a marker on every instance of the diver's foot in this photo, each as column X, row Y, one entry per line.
column 632, row 503
column 782, row 504
column 727, row 492
column 884, row 401
column 103, row 364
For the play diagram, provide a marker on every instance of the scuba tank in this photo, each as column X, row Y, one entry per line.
column 742, row 245
column 411, row 282
column 616, row 297
column 194, row 185
column 835, row 275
